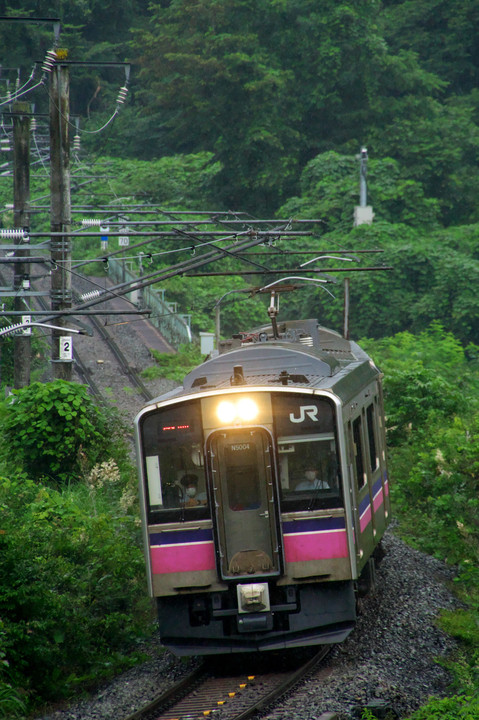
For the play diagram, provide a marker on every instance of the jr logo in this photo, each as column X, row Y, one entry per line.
column 305, row 410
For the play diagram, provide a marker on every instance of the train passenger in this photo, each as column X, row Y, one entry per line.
column 312, row 481
column 191, row 496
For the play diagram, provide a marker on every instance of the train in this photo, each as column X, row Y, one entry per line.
column 264, row 492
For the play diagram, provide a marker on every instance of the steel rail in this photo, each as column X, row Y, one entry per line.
column 119, row 356
column 198, row 694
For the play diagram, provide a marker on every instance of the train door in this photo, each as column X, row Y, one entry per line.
column 246, row 522
column 378, row 497
column 363, row 515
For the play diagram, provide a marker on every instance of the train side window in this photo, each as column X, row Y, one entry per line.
column 358, row 453
column 371, row 426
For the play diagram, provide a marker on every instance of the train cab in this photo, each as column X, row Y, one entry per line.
column 264, row 493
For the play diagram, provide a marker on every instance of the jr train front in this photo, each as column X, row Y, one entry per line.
column 242, row 553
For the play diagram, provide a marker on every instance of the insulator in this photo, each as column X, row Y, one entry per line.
column 12, row 233
column 123, row 92
column 90, row 295
column 33, row 124
column 76, row 143
column 12, row 328
column 49, row 62
column 90, row 222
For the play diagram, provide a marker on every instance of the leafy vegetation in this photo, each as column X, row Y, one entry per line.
column 72, row 603
column 174, row 366
column 53, row 431
column 434, row 462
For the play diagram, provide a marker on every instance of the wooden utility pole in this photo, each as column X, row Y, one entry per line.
column 60, row 217
column 21, row 220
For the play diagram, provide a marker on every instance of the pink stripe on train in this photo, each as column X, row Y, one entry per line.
column 365, row 518
column 378, row 500
column 299, row 547
column 182, row 558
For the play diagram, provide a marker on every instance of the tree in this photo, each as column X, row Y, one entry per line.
column 442, row 32
column 330, row 191
column 260, row 84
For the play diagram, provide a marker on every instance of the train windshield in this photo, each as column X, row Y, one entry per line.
column 174, row 463
column 307, row 452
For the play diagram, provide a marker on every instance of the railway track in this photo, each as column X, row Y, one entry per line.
column 102, row 349
column 210, row 692
column 123, row 362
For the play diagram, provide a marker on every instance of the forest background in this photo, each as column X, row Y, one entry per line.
column 262, row 106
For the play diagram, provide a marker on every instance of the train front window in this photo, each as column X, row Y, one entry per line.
column 242, row 476
column 174, row 463
column 307, row 452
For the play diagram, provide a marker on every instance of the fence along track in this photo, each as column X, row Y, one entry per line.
column 209, row 694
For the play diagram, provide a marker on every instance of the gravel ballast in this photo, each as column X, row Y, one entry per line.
column 389, row 659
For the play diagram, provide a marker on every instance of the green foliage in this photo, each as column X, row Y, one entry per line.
column 174, row 366
column 11, row 703
column 329, row 190
column 177, row 180
column 425, row 376
column 72, row 599
column 264, row 87
column 431, row 385
column 267, row 86
column 454, row 58
column 432, row 279
column 415, row 396
column 53, row 430
column 454, row 708
column 237, row 310
column 435, row 348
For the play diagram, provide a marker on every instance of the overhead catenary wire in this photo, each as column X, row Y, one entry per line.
column 173, row 271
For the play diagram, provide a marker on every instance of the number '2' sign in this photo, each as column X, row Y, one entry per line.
column 66, row 348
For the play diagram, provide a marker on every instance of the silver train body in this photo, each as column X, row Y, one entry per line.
column 241, row 553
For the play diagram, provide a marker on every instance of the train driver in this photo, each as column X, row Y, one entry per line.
column 312, row 481
column 191, row 497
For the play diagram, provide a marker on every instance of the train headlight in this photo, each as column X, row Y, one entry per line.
column 226, row 412
column 241, row 410
column 247, row 409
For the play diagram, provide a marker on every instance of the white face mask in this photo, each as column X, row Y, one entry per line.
column 310, row 475
column 191, row 492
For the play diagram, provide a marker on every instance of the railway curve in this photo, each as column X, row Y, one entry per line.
column 231, row 695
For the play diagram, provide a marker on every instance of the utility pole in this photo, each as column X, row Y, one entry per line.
column 21, row 215
column 363, row 213
column 60, row 219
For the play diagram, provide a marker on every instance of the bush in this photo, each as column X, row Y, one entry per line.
column 53, row 430
column 73, row 598
column 455, row 708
